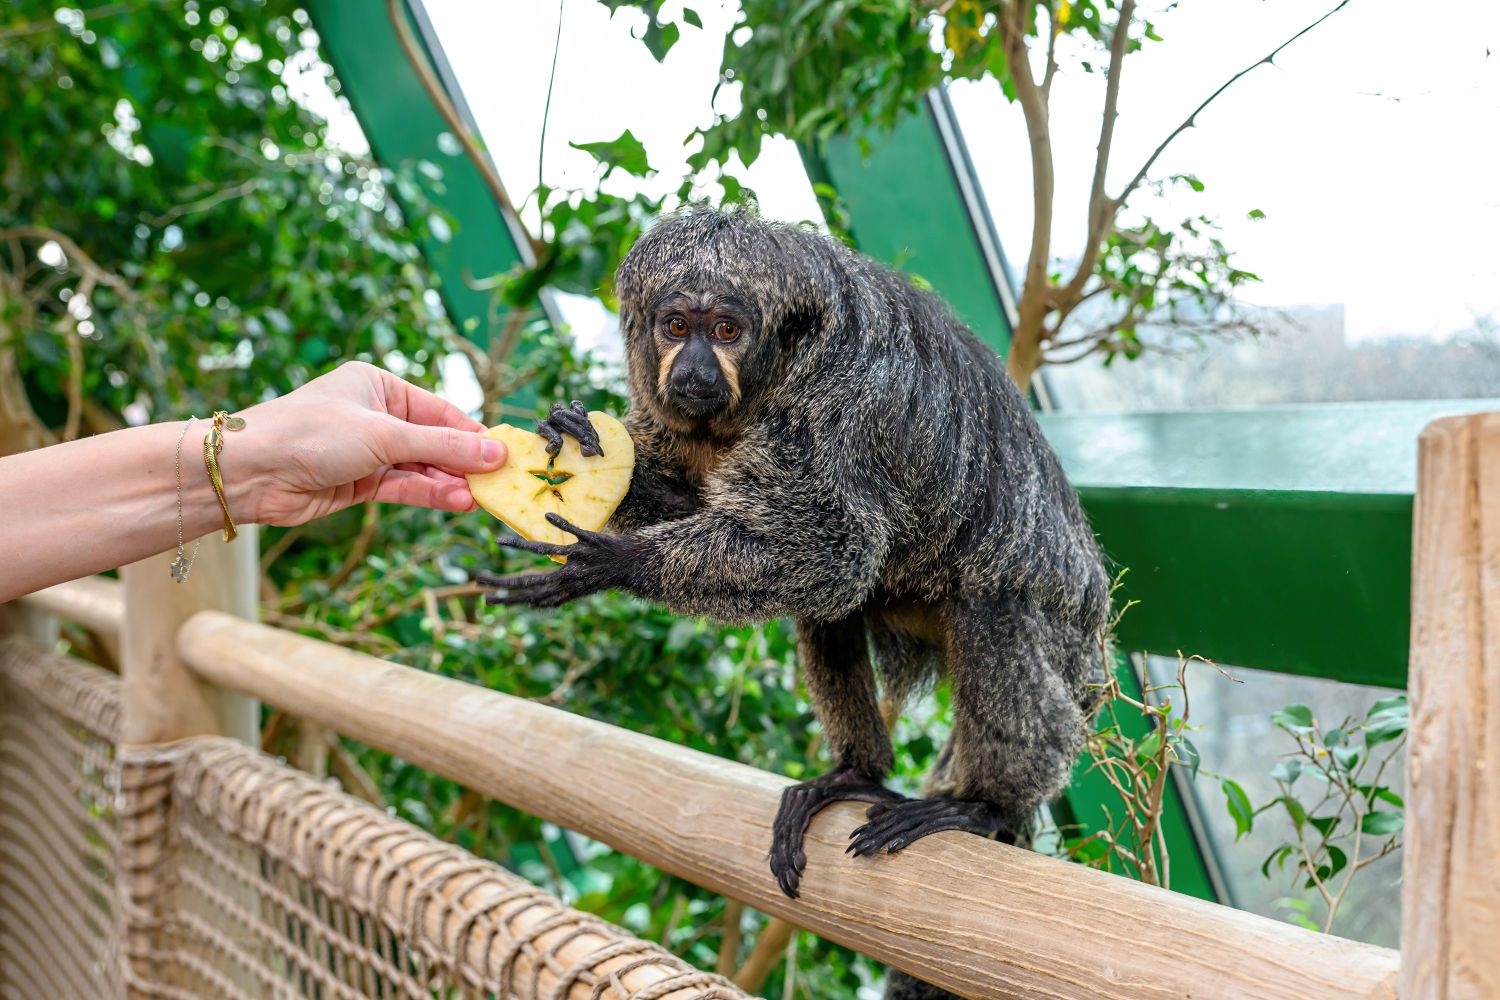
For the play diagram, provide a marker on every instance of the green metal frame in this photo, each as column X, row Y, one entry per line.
column 1276, row 537
column 404, row 128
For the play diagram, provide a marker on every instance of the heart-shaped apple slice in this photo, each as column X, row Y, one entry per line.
column 533, row 484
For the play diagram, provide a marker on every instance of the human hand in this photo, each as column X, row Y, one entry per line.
column 355, row 434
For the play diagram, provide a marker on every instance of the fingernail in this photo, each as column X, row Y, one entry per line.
column 492, row 450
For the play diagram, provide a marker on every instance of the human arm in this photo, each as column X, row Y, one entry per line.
column 358, row 433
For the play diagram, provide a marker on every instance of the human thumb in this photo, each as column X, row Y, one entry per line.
column 445, row 447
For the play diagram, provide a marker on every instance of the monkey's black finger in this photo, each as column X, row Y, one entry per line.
column 901, row 840
column 536, row 597
column 527, row 545
column 576, row 423
column 514, row 581
column 553, row 436
column 582, row 534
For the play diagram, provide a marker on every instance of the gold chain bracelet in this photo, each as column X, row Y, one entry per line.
column 212, row 445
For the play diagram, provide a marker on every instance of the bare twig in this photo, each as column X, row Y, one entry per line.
column 770, row 948
column 729, row 944
column 1102, row 208
column 1191, row 119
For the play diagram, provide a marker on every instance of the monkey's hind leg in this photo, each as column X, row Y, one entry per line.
column 1017, row 728
column 836, row 667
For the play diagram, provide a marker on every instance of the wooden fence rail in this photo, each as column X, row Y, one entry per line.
column 977, row 917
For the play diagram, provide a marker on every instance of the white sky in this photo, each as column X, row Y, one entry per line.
column 1372, row 146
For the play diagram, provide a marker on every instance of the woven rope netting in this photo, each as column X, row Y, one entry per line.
column 59, row 835
column 206, row 869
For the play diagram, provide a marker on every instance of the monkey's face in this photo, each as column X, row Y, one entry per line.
column 700, row 342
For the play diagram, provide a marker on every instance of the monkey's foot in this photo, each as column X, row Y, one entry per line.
column 893, row 826
column 800, row 803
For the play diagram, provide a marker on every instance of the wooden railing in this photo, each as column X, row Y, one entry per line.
column 974, row 916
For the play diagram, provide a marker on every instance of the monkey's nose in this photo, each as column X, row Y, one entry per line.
column 694, row 384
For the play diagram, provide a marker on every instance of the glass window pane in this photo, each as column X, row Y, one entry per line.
column 1237, row 740
column 1364, row 148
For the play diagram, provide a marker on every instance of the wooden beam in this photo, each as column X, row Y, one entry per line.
column 979, row 918
column 94, row 602
column 1450, row 915
column 164, row 701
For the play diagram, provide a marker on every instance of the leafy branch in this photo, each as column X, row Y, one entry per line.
column 1349, row 808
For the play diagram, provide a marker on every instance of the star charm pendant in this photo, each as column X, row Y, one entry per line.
column 180, row 568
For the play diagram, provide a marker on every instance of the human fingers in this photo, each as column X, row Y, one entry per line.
column 418, row 406
column 449, row 448
column 417, row 490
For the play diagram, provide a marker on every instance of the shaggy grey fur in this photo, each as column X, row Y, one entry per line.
column 879, row 478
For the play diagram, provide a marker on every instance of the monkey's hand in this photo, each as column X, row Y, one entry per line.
column 572, row 420
column 800, row 803
column 595, row 562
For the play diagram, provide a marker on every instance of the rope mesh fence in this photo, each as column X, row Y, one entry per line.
column 59, row 835
column 207, row 870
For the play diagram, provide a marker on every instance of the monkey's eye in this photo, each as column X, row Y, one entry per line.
column 726, row 331
column 677, row 326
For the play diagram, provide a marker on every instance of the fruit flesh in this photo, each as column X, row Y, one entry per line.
column 532, row 484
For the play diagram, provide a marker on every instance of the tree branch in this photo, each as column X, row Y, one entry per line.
column 1191, row 119
column 1034, row 108
column 1102, row 208
column 1053, row 30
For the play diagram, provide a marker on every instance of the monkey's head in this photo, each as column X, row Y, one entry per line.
column 700, row 339
column 703, row 296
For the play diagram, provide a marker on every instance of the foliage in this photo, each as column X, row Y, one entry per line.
column 166, row 142
column 1343, row 818
column 1136, row 759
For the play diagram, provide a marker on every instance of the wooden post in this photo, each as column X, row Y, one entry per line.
column 164, row 701
column 1450, row 918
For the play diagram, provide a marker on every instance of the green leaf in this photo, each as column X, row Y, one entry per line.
column 1255, row 213
column 659, row 39
column 1382, row 824
column 1388, row 720
column 1187, row 754
column 1323, row 824
column 1295, row 810
column 1294, row 718
column 1148, row 747
column 691, row 17
column 1347, row 757
column 1279, row 856
column 1239, row 806
column 625, row 152
column 1287, row 771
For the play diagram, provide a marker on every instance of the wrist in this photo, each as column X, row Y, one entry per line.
column 244, row 469
column 240, row 471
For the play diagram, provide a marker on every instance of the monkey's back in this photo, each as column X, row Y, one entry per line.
column 975, row 497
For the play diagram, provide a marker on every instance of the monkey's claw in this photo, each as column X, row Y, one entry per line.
column 893, row 826
column 799, row 804
column 595, row 562
column 572, row 420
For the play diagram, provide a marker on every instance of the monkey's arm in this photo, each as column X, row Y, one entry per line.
column 770, row 541
column 658, row 489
